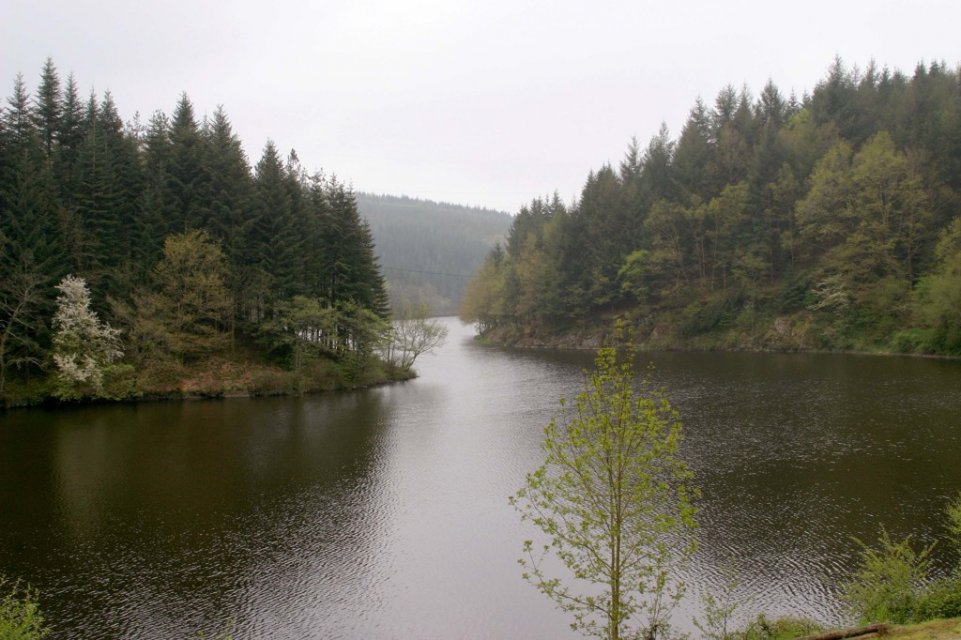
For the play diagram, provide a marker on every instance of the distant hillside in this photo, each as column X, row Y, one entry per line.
column 428, row 249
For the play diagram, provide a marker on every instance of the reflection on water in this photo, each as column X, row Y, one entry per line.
column 383, row 514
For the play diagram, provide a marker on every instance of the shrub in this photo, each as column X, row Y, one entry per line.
column 939, row 599
column 788, row 628
column 269, row 382
column 887, row 586
column 20, row 617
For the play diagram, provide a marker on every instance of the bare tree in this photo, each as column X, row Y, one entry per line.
column 412, row 334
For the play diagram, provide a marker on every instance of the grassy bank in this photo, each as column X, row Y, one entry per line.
column 231, row 375
column 934, row 630
column 798, row 332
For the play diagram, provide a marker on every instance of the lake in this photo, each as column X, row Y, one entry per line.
column 383, row 513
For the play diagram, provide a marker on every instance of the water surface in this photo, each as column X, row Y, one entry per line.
column 383, row 513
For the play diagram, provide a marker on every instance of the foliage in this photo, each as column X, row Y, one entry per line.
column 888, row 583
column 614, row 499
column 894, row 583
column 301, row 327
column 763, row 628
column 179, row 240
column 185, row 314
column 940, row 598
column 20, row 617
column 84, row 348
column 21, row 298
column 713, row 234
column 939, row 294
column 953, row 512
column 719, row 611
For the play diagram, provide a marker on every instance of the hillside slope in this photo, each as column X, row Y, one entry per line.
column 427, row 249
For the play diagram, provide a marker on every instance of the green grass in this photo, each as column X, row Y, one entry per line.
column 949, row 629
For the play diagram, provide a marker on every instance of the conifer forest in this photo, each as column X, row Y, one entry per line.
column 176, row 246
column 826, row 221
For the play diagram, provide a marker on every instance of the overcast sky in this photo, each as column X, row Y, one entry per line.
column 488, row 103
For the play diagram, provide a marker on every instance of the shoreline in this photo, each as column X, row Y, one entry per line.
column 288, row 384
column 576, row 340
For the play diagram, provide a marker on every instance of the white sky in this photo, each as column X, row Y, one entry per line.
column 488, row 103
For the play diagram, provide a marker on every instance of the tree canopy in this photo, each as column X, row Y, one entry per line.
column 181, row 242
column 770, row 222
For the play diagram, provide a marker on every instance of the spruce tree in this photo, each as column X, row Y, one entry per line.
column 31, row 256
column 100, row 200
column 188, row 181
column 69, row 137
column 155, row 206
column 353, row 275
column 271, row 231
column 231, row 203
column 48, row 110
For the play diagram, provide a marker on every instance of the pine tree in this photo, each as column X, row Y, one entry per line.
column 231, row 203
column 48, row 110
column 272, row 232
column 694, row 154
column 121, row 157
column 31, row 256
column 100, row 200
column 154, row 209
column 353, row 275
column 188, row 181
column 230, row 186
column 70, row 137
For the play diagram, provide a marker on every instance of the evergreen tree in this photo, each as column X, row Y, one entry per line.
column 271, row 233
column 694, row 154
column 31, row 256
column 48, row 111
column 70, row 137
column 82, row 192
column 188, row 181
column 353, row 275
column 230, row 185
column 155, row 206
column 100, row 201
column 231, row 204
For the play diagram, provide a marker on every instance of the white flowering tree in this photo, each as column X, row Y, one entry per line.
column 84, row 348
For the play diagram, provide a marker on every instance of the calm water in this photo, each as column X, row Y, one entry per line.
column 383, row 514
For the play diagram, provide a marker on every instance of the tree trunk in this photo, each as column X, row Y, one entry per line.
column 849, row 633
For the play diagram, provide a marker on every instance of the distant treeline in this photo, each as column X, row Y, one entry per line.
column 829, row 221
column 427, row 249
column 83, row 193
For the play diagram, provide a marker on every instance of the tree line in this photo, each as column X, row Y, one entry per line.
column 831, row 221
column 184, row 246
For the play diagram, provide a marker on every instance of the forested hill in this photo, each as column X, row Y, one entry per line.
column 180, row 243
column 832, row 221
column 428, row 249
